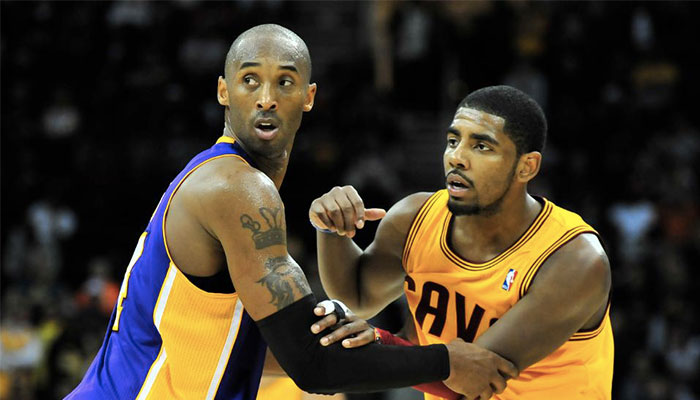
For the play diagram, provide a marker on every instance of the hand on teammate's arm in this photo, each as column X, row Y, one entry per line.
column 353, row 331
column 480, row 385
column 365, row 334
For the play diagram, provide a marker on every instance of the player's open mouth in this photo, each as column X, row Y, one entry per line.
column 266, row 128
column 456, row 185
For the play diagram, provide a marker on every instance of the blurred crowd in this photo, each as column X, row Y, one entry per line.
column 103, row 103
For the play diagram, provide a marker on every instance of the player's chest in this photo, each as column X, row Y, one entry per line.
column 448, row 300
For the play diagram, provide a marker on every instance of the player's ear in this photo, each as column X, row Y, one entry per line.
column 222, row 92
column 528, row 166
column 310, row 95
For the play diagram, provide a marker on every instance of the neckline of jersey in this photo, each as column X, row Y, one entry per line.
column 238, row 148
column 226, row 139
column 524, row 238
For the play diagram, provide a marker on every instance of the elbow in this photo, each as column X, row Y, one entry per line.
column 312, row 380
column 366, row 307
column 352, row 301
column 309, row 386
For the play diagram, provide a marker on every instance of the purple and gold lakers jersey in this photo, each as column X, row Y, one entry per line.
column 169, row 339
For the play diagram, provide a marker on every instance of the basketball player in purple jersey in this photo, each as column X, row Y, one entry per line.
column 211, row 282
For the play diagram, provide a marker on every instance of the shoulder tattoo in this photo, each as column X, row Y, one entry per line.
column 273, row 235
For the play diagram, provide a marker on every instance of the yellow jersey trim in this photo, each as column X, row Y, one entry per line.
column 535, row 226
column 158, row 311
column 567, row 237
column 416, row 224
column 225, row 355
column 226, row 139
column 564, row 239
column 152, row 374
column 590, row 334
column 165, row 217
column 124, row 289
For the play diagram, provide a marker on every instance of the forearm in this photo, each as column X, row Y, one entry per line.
column 435, row 388
column 338, row 263
column 320, row 369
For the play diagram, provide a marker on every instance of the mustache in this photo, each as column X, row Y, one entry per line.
column 455, row 171
column 271, row 114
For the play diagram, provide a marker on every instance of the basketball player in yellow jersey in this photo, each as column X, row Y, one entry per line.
column 482, row 259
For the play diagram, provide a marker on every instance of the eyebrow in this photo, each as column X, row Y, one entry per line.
column 289, row 68
column 484, row 138
column 249, row 64
column 454, row 131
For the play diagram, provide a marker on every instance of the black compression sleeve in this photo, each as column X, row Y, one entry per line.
column 319, row 369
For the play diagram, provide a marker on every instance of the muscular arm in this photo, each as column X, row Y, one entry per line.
column 367, row 281
column 243, row 211
column 570, row 292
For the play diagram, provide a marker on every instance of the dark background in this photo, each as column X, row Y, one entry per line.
column 103, row 103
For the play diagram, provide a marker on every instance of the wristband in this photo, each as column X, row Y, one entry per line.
column 320, row 229
column 386, row 337
column 377, row 336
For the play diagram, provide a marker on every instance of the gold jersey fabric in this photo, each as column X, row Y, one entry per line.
column 452, row 297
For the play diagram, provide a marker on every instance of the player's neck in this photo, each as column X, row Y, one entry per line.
column 274, row 166
column 481, row 238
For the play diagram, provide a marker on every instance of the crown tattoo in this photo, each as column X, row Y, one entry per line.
column 274, row 235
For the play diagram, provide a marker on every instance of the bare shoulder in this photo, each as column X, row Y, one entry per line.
column 580, row 265
column 401, row 215
column 218, row 192
column 393, row 230
column 227, row 181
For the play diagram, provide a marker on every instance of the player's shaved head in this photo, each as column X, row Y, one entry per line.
column 272, row 40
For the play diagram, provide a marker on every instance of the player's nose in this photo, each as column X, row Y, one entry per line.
column 266, row 101
column 458, row 158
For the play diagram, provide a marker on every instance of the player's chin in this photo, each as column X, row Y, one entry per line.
column 463, row 200
column 265, row 141
column 462, row 207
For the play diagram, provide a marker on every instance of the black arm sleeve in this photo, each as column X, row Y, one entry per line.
column 318, row 369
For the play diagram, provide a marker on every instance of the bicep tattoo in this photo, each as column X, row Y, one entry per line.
column 281, row 273
column 275, row 233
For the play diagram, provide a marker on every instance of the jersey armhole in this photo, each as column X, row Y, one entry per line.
column 590, row 333
column 534, row 269
column 415, row 227
column 228, row 291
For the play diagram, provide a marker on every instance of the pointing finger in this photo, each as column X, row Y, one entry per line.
column 374, row 214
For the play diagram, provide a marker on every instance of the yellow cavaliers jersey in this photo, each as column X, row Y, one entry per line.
column 451, row 297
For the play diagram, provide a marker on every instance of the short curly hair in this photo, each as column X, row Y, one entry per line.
column 525, row 124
